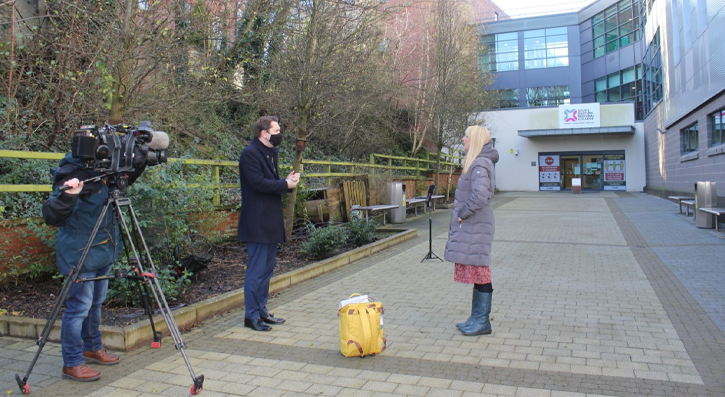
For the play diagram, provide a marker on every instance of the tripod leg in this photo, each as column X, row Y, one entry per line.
column 144, row 292
column 69, row 281
column 155, row 287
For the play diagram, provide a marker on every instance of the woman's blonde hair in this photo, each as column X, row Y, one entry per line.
column 477, row 138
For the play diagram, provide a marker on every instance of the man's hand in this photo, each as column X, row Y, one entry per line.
column 75, row 186
column 293, row 179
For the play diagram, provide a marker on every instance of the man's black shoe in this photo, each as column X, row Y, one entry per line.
column 271, row 319
column 256, row 325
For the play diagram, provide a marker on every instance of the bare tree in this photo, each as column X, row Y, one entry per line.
column 441, row 83
column 323, row 75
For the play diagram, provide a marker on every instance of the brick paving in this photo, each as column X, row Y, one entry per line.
column 599, row 294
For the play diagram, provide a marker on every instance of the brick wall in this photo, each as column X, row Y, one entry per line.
column 19, row 246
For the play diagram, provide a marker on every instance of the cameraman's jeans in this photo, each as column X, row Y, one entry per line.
column 82, row 317
column 260, row 266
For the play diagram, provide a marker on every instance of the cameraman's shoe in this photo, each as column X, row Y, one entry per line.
column 101, row 357
column 81, row 373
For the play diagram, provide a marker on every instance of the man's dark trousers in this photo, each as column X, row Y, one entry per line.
column 260, row 266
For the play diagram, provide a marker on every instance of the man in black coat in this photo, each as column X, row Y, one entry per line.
column 261, row 222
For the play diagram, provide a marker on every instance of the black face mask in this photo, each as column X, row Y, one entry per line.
column 275, row 140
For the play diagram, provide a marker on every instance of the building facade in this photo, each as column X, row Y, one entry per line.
column 650, row 74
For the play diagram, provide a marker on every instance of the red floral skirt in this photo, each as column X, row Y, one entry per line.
column 472, row 274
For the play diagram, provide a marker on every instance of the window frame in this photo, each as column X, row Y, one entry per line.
column 686, row 137
column 717, row 135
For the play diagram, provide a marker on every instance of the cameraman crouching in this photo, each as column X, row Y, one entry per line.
column 75, row 212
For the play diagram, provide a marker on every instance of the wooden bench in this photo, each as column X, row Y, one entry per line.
column 372, row 208
column 689, row 204
column 680, row 199
column 715, row 211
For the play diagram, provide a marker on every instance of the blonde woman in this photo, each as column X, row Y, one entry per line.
column 473, row 226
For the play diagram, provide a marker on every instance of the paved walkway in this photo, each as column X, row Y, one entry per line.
column 601, row 294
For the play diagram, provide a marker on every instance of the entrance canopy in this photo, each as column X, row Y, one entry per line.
column 624, row 129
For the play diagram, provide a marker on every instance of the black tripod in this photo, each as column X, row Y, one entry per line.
column 428, row 198
column 146, row 279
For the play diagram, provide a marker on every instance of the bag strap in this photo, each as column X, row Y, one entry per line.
column 359, row 348
column 365, row 320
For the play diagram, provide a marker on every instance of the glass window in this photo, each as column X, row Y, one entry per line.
column 628, row 75
column 718, row 128
column 547, row 96
column 689, row 139
column 626, row 28
column 625, row 11
column 612, row 45
column 613, row 79
column 598, row 29
column 615, row 27
column 499, row 52
column 628, row 91
column 599, row 42
column 600, row 84
column 620, row 86
column 652, row 74
column 508, row 98
column 610, row 18
column 614, row 94
column 546, row 48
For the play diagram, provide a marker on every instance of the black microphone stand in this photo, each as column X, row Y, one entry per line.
column 430, row 254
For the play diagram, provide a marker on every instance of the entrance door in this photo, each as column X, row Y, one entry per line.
column 569, row 169
column 592, row 172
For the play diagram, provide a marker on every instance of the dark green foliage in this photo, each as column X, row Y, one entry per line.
column 323, row 241
column 23, row 171
column 361, row 231
column 125, row 292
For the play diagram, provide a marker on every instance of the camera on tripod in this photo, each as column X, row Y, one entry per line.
column 110, row 148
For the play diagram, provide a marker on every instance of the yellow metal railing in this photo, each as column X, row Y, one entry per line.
column 392, row 163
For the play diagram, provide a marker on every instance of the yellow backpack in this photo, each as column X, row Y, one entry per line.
column 361, row 328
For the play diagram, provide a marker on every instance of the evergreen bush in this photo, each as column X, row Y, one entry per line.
column 323, row 241
column 361, row 231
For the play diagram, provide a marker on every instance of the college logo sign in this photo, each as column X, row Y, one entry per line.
column 583, row 115
column 570, row 115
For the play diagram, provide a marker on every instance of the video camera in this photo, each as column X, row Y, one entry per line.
column 111, row 147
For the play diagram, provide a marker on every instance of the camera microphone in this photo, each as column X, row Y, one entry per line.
column 159, row 140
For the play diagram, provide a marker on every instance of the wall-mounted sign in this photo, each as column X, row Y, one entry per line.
column 579, row 115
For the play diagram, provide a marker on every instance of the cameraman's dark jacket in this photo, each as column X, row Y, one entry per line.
column 75, row 215
column 261, row 219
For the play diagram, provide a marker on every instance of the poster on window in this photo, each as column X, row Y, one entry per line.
column 615, row 177
column 549, row 172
